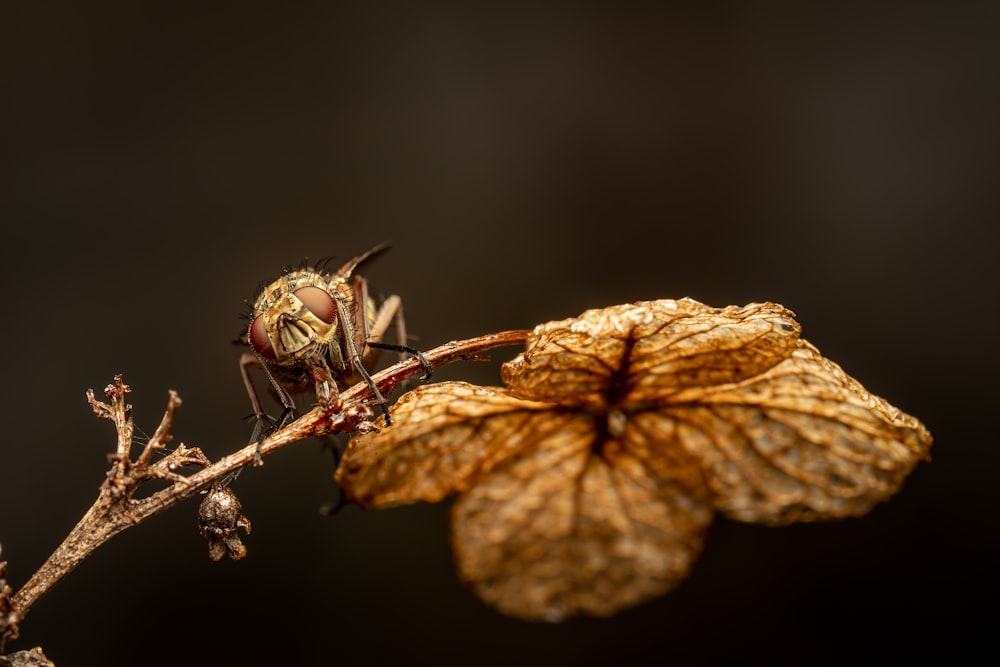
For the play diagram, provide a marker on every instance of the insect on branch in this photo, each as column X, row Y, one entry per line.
column 116, row 509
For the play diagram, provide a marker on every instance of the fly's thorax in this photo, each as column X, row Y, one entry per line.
column 295, row 318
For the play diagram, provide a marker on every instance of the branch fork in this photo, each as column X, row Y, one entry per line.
column 116, row 509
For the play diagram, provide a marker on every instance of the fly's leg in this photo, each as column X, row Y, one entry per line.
column 264, row 425
column 392, row 309
column 248, row 361
column 329, row 509
column 363, row 372
column 406, row 352
column 369, row 330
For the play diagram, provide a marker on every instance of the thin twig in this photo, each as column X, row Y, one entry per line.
column 162, row 434
column 115, row 509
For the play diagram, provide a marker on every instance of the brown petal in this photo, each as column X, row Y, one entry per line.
column 576, row 526
column 443, row 437
column 802, row 441
column 644, row 351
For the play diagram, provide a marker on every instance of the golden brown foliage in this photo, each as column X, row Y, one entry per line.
column 586, row 484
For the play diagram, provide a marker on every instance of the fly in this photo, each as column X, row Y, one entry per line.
column 314, row 329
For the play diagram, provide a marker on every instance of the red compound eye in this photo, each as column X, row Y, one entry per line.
column 318, row 301
column 259, row 340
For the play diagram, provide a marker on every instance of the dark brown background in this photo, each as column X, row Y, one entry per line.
column 526, row 164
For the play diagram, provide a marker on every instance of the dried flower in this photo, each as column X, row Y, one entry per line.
column 587, row 483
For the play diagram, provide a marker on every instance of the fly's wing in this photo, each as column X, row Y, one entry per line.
column 344, row 272
column 364, row 314
column 356, row 313
column 357, row 310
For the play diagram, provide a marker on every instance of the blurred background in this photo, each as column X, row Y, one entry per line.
column 526, row 164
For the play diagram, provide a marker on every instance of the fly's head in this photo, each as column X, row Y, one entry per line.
column 295, row 318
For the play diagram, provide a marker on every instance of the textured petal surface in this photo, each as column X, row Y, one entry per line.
column 586, row 485
column 650, row 349
column 578, row 526
column 443, row 437
column 801, row 441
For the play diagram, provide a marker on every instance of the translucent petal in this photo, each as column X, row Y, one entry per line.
column 577, row 526
column 443, row 437
column 801, row 441
column 646, row 350
column 586, row 487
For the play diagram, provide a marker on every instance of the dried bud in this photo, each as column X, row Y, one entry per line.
column 219, row 517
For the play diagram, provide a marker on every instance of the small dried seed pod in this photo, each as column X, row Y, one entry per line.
column 219, row 517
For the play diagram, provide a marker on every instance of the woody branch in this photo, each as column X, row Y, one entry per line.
column 116, row 510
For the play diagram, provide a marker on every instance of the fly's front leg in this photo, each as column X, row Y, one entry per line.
column 392, row 310
column 264, row 426
column 248, row 361
column 373, row 325
column 351, row 348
